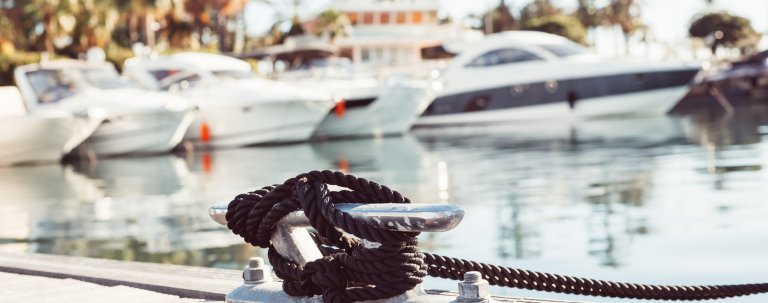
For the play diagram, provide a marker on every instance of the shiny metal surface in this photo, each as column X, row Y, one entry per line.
column 292, row 240
column 218, row 213
column 388, row 216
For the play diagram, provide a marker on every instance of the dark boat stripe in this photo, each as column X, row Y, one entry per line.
column 567, row 90
column 354, row 103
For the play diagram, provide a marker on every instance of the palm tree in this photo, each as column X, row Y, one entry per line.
column 538, row 9
column 225, row 11
column 221, row 12
column 626, row 15
column 55, row 17
column 146, row 11
column 589, row 16
column 499, row 19
column 332, row 24
column 198, row 11
column 95, row 21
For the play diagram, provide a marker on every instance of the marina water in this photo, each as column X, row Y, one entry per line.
column 677, row 200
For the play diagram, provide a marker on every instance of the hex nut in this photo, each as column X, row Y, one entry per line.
column 474, row 289
column 257, row 275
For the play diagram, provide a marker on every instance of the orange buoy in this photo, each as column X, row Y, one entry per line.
column 205, row 133
column 340, row 108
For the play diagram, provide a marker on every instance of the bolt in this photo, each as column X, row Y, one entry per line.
column 256, row 272
column 256, row 262
column 472, row 276
column 474, row 288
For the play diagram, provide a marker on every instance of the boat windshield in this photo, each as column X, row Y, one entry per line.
column 563, row 50
column 232, row 74
column 503, row 56
column 334, row 67
column 51, row 85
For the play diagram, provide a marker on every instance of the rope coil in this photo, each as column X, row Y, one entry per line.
column 351, row 272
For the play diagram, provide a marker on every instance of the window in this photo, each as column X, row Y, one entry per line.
column 103, row 78
column 352, row 18
column 416, row 17
column 160, row 74
column 50, row 85
column 232, row 74
column 180, row 81
column 384, row 18
column 502, row 56
column 368, row 18
column 400, row 17
column 563, row 50
column 365, row 55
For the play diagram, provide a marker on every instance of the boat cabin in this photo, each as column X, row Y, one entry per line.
column 185, row 70
column 518, row 47
column 51, row 82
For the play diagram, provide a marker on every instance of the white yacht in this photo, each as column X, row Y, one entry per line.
column 236, row 107
column 44, row 137
column 366, row 105
column 137, row 121
column 521, row 75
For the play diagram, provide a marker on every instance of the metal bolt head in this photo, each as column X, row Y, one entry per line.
column 256, row 272
column 472, row 276
column 256, row 262
column 474, row 288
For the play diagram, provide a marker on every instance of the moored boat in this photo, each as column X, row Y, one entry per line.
column 368, row 106
column 45, row 137
column 236, row 107
column 519, row 75
column 137, row 121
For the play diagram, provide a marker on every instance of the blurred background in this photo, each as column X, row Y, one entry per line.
column 675, row 196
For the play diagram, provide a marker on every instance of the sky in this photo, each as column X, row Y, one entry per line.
column 668, row 20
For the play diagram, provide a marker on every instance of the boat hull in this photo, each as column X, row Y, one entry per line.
column 393, row 112
column 257, row 123
column 141, row 132
column 651, row 102
column 42, row 139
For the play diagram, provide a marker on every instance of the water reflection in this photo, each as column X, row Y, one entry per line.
column 594, row 173
column 586, row 198
column 607, row 198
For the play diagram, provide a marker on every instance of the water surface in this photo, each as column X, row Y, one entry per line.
column 652, row 200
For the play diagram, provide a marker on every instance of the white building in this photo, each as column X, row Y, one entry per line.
column 394, row 33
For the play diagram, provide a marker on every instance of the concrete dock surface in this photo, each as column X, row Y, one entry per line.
column 30, row 277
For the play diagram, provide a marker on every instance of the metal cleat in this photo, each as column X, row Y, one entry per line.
column 292, row 240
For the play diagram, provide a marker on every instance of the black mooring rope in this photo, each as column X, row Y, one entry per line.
column 350, row 272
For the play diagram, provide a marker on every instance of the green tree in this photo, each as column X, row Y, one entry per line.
column 626, row 15
column 54, row 17
column 332, row 24
column 498, row 19
column 215, row 15
column 588, row 14
column 723, row 29
column 561, row 25
column 538, row 9
column 142, row 16
column 94, row 23
column 7, row 34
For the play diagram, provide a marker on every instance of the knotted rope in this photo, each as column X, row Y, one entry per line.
column 350, row 271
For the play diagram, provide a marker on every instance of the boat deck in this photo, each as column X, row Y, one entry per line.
column 53, row 278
